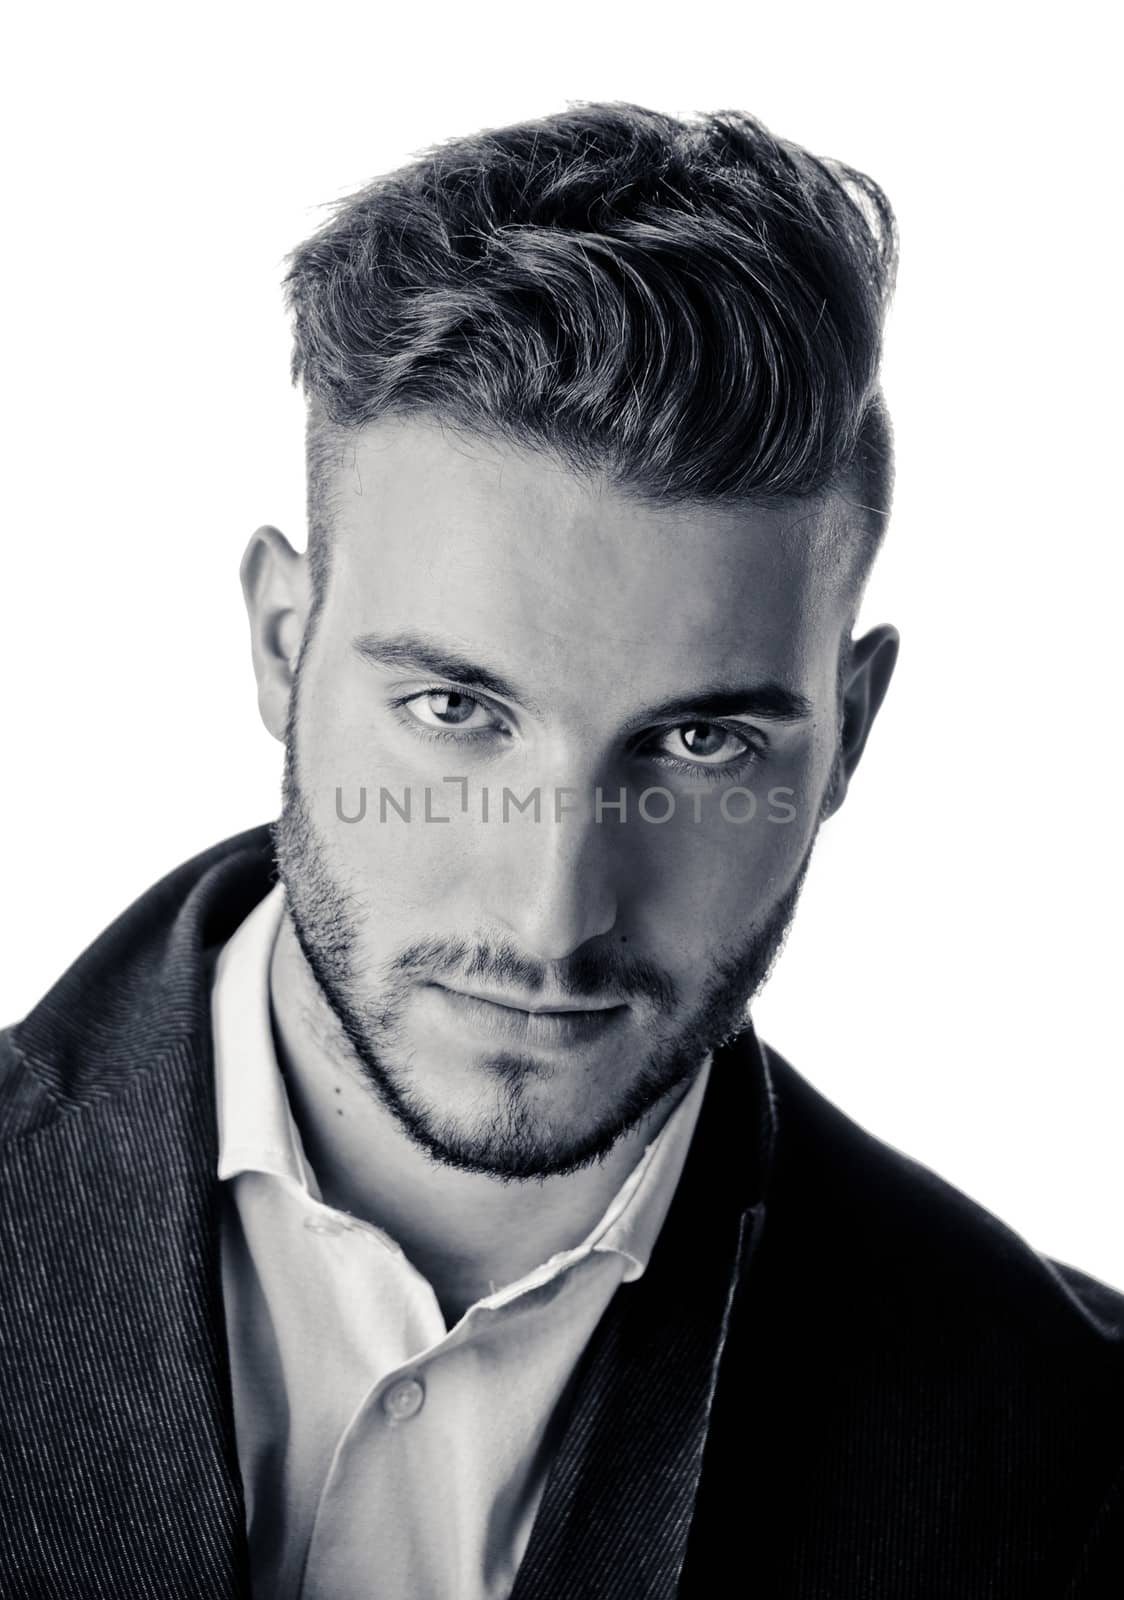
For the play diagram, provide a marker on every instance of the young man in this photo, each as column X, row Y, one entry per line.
column 397, row 1200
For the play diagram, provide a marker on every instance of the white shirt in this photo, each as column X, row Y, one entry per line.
column 381, row 1453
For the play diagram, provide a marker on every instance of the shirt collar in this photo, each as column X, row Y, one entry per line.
column 257, row 1132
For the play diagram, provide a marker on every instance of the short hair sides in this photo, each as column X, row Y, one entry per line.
column 693, row 309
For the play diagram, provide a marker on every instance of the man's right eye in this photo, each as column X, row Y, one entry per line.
column 448, row 711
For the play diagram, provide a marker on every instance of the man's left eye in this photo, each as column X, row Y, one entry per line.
column 706, row 743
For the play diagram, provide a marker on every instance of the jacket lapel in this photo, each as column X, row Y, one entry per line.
column 118, row 1463
column 618, row 1504
column 115, row 1372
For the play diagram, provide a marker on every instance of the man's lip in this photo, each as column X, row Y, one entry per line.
column 534, row 1008
column 490, row 1020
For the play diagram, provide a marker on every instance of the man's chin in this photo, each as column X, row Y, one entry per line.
column 519, row 1113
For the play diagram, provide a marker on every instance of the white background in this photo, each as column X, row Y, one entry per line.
column 952, row 977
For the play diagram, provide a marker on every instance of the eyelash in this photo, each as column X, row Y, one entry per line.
column 753, row 753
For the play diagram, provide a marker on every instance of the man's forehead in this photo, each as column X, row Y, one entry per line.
column 570, row 586
column 419, row 477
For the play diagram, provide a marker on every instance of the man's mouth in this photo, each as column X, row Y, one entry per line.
column 530, row 1021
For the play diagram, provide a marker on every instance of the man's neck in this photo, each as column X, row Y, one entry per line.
column 468, row 1233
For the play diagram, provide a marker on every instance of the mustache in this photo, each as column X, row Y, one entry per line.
column 586, row 975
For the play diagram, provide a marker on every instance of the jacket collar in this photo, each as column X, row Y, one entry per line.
column 117, row 1449
column 139, row 993
column 117, row 1283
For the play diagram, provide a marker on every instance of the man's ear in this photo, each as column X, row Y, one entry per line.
column 865, row 681
column 275, row 587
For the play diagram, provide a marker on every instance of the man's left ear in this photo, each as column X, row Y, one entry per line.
column 868, row 674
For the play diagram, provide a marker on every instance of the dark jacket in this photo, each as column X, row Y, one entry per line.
column 837, row 1378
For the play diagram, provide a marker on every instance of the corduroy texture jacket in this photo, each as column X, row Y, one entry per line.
column 839, row 1379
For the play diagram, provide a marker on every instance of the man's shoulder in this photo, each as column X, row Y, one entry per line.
column 881, row 1226
column 136, row 994
column 910, row 1390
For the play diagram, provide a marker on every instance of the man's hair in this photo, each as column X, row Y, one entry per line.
column 693, row 309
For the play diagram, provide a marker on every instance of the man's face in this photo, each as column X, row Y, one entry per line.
column 497, row 628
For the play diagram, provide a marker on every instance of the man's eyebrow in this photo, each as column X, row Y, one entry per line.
column 771, row 702
column 415, row 654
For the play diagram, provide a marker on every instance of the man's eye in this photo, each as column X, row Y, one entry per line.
column 447, row 708
column 705, row 743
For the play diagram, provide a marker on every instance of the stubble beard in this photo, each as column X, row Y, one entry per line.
column 511, row 1141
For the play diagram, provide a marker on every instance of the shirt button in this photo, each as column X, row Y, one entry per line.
column 404, row 1399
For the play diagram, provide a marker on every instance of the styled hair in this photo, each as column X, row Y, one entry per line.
column 693, row 309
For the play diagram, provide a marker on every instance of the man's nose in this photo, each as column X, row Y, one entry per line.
column 554, row 881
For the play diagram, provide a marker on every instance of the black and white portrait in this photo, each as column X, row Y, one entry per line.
column 560, row 949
